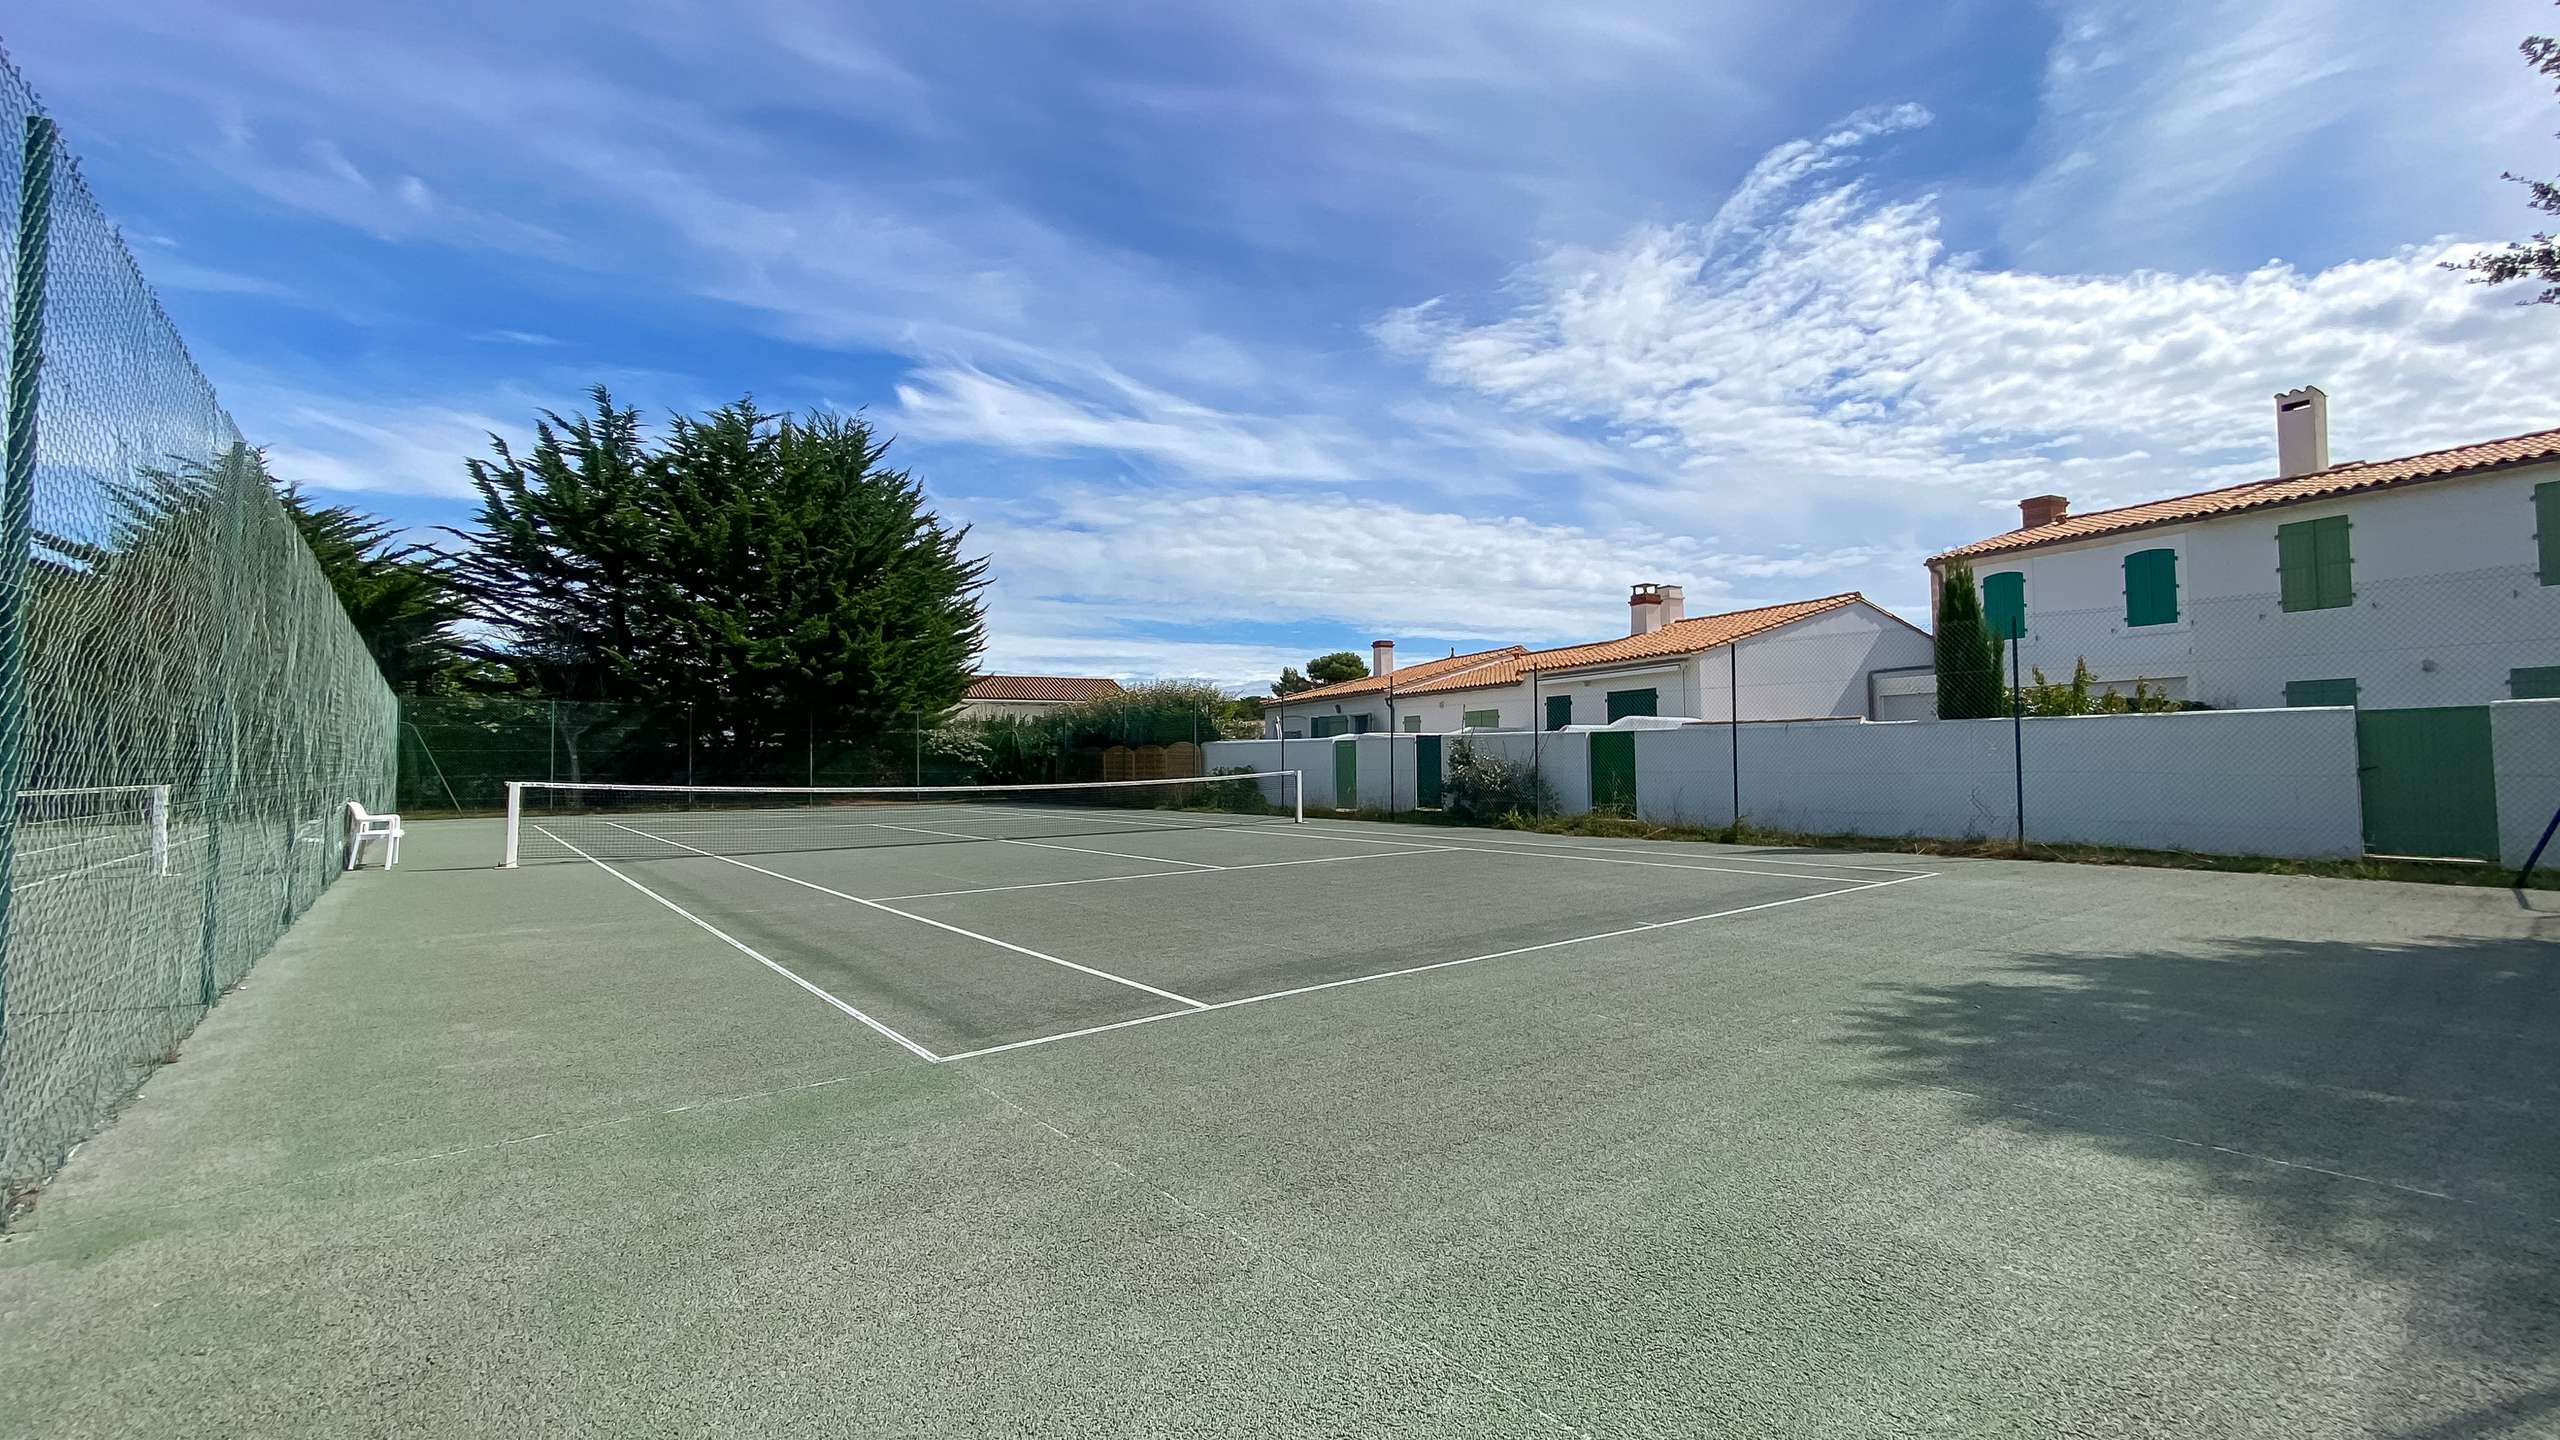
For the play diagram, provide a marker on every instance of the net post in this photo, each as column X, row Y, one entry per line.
column 1298, row 796
column 515, row 820
column 155, row 815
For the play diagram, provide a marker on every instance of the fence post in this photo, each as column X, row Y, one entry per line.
column 1733, row 728
column 17, row 503
column 2018, row 726
column 1537, row 751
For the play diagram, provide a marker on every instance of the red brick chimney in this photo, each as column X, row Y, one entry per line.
column 2038, row 510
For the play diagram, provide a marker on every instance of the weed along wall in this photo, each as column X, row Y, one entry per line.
column 2238, row 782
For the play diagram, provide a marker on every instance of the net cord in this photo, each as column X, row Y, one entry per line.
column 1294, row 779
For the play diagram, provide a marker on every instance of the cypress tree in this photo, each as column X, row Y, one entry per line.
column 1968, row 654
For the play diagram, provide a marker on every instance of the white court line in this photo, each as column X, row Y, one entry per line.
column 919, row 919
column 1160, row 874
column 744, row 949
column 1863, row 885
column 1547, row 852
column 1752, row 859
column 1048, row 845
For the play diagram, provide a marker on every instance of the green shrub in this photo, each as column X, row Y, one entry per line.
column 1485, row 786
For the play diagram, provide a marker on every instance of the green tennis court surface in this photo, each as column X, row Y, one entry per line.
column 1174, row 1124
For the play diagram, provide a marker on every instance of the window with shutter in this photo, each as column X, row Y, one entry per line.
column 2546, row 528
column 2299, row 693
column 2151, row 587
column 1484, row 719
column 2314, row 568
column 1623, row 703
column 1412, row 723
column 1559, row 711
column 2004, row 603
column 2534, row 682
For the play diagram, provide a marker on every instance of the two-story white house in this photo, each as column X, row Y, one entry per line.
column 1807, row 659
column 2428, row 580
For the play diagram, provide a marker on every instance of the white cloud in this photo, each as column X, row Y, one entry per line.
column 1120, row 417
column 1834, row 351
column 323, row 444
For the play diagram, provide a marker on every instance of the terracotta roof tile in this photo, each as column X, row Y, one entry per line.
column 1681, row 637
column 1041, row 687
column 2350, row 479
column 1407, row 677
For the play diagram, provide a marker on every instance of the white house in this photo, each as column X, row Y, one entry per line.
column 2430, row 580
column 1808, row 659
column 991, row 696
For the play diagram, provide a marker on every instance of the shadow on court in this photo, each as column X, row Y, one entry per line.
column 2320, row 1085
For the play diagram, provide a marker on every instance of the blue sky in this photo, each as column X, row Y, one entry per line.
column 1241, row 333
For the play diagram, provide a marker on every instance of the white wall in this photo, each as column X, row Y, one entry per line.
column 2524, row 738
column 2447, row 600
column 2265, row 782
column 2239, row 782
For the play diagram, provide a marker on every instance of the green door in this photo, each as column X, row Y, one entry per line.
column 1426, row 772
column 2430, row 787
column 1346, row 774
column 1613, row 771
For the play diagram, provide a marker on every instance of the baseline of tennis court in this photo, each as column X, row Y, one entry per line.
column 962, row 933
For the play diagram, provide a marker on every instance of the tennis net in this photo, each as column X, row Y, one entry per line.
column 83, row 829
column 549, row 821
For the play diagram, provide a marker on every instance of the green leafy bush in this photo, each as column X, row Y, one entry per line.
column 1485, row 786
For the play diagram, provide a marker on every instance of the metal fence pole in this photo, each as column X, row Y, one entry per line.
column 17, row 503
column 2018, row 725
column 1733, row 726
column 1537, row 748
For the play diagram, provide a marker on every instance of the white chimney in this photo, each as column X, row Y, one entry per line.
column 2302, row 432
column 1644, row 608
column 1382, row 656
column 1674, row 607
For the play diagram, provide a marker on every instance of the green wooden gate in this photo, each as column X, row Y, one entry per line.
column 1426, row 772
column 1613, row 770
column 1346, row 774
column 2430, row 785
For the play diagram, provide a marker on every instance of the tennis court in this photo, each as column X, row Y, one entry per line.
column 962, row 924
column 905, row 1117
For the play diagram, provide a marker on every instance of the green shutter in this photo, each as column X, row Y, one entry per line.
column 1323, row 726
column 2534, row 682
column 2546, row 528
column 1559, row 711
column 1412, row 723
column 1484, row 719
column 2337, row 578
column 1623, row 703
column 2151, row 587
column 2314, row 566
column 2298, row 693
column 2004, row 604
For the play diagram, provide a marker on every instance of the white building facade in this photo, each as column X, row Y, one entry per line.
column 2428, row 581
column 1804, row 660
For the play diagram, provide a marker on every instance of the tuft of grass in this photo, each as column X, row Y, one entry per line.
column 1604, row 826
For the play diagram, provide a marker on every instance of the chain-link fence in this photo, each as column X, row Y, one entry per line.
column 458, row 752
column 184, row 706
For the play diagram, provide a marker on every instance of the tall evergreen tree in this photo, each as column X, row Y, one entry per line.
column 1968, row 654
column 2536, row 259
column 561, row 564
column 772, row 576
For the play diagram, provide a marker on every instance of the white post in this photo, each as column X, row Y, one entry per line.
column 515, row 816
column 1298, row 795
column 155, row 814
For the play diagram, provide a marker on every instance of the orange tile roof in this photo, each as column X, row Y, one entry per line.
column 2352, row 478
column 1681, row 637
column 1406, row 677
column 1041, row 687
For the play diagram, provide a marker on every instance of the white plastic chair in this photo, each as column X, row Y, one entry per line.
column 363, row 825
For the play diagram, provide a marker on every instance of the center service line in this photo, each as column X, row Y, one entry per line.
column 919, row 919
